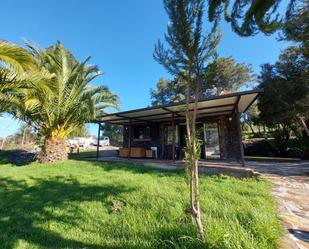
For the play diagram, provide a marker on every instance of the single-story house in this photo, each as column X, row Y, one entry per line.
column 161, row 130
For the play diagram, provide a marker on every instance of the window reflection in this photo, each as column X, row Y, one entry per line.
column 211, row 140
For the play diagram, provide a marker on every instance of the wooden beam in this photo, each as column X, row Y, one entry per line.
column 242, row 153
column 162, row 141
column 173, row 130
column 98, row 143
column 129, row 142
column 179, row 137
column 140, row 118
column 136, row 119
column 236, row 105
column 212, row 107
column 254, row 99
column 201, row 115
column 229, row 95
column 170, row 111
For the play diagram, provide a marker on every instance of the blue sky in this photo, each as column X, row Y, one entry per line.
column 119, row 35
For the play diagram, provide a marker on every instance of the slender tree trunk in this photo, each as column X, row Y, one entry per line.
column 54, row 149
column 251, row 128
column 302, row 120
column 24, row 135
column 2, row 144
column 192, row 162
column 259, row 129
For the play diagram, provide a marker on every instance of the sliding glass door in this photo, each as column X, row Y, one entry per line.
column 211, row 141
column 168, row 131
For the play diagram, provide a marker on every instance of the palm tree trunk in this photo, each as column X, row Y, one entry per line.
column 54, row 149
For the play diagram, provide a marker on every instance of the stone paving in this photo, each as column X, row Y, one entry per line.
column 291, row 188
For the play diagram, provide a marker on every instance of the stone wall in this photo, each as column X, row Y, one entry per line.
column 229, row 137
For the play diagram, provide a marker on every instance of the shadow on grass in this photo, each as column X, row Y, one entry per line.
column 136, row 168
column 23, row 208
column 27, row 212
column 17, row 157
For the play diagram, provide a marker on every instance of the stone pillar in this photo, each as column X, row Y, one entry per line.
column 229, row 138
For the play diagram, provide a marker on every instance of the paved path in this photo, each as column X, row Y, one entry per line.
column 291, row 188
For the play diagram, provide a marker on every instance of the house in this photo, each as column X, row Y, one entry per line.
column 162, row 128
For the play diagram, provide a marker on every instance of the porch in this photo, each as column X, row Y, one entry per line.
column 209, row 167
column 159, row 132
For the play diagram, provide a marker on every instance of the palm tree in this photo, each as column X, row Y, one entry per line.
column 15, row 63
column 63, row 99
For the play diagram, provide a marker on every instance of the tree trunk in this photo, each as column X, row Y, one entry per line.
column 54, row 149
column 251, row 128
column 3, row 140
column 259, row 129
column 303, row 122
column 192, row 156
column 24, row 135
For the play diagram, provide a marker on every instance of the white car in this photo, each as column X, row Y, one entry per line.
column 80, row 142
column 104, row 141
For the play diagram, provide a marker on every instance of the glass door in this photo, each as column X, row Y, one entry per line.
column 211, row 141
column 168, row 142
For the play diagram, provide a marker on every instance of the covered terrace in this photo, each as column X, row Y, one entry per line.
column 223, row 110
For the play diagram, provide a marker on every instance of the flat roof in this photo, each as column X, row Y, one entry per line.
column 225, row 104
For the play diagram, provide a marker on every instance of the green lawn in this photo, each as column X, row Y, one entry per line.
column 79, row 204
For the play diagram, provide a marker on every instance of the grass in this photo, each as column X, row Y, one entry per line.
column 83, row 154
column 4, row 156
column 81, row 204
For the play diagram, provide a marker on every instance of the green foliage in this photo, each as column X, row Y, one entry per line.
column 81, row 131
column 224, row 73
column 70, row 205
column 286, row 88
column 189, row 49
column 192, row 154
column 114, row 132
column 62, row 100
column 15, row 58
column 221, row 74
column 284, row 103
column 251, row 117
column 167, row 91
column 296, row 26
column 247, row 17
column 15, row 63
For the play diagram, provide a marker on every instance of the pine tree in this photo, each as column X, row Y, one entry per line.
column 186, row 56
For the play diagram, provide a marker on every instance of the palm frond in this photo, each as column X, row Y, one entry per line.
column 59, row 98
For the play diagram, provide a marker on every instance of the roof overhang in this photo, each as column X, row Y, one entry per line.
column 226, row 104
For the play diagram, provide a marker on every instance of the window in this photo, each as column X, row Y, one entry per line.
column 211, row 140
column 169, row 135
column 142, row 132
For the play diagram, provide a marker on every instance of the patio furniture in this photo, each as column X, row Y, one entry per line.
column 155, row 151
column 137, row 152
column 124, row 152
column 149, row 154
